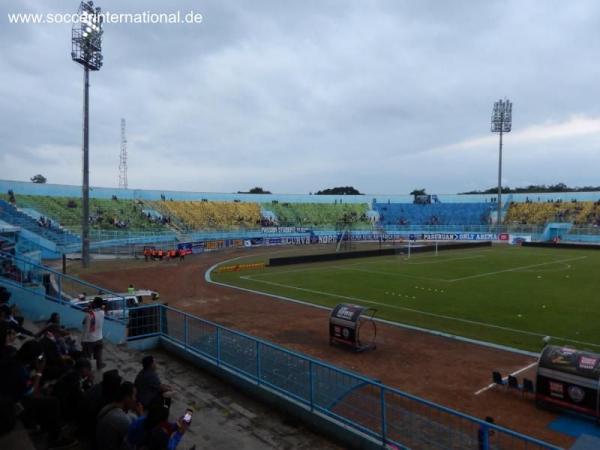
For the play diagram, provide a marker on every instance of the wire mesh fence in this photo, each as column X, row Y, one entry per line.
column 364, row 405
column 385, row 414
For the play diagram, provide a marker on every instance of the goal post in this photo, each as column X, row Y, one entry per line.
column 338, row 245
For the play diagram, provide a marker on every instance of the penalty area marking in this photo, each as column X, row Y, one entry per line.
column 394, row 274
column 516, row 372
column 418, row 256
column 478, row 275
column 562, row 268
column 403, row 308
column 515, row 269
column 441, row 261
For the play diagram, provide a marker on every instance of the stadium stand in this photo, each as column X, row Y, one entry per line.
column 105, row 214
column 433, row 214
column 316, row 214
column 579, row 213
column 54, row 213
column 205, row 215
column 47, row 229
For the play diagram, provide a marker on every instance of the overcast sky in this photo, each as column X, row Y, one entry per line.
column 299, row 95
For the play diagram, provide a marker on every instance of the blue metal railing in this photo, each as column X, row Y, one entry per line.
column 385, row 414
column 102, row 239
column 30, row 273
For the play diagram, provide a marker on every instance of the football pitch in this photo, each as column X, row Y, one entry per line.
column 513, row 296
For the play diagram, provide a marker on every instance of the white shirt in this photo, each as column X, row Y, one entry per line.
column 96, row 334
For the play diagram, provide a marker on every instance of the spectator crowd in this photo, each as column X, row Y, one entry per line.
column 47, row 382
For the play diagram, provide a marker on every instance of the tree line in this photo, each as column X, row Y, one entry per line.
column 536, row 189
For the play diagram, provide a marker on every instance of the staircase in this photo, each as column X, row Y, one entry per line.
column 56, row 235
column 556, row 229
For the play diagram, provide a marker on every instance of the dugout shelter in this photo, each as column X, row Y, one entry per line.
column 569, row 379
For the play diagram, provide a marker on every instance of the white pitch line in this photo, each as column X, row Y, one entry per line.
column 418, row 256
column 395, row 274
column 515, row 269
column 562, row 268
column 445, row 260
column 283, row 272
column 491, row 385
column 350, row 267
column 439, row 316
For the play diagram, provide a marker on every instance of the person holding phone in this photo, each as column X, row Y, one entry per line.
column 155, row 432
column 114, row 419
column 187, row 417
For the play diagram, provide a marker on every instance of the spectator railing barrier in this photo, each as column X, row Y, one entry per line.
column 386, row 415
column 106, row 239
column 25, row 273
column 21, row 246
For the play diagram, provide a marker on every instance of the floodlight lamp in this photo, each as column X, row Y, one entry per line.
column 87, row 37
column 501, row 116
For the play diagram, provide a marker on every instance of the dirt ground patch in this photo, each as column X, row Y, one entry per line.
column 443, row 370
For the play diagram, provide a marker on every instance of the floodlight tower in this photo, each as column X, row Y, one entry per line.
column 501, row 123
column 86, row 49
column 123, row 158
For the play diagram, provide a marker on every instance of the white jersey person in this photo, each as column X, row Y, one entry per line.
column 91, row 340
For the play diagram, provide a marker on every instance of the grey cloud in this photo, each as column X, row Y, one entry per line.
column 297, row 96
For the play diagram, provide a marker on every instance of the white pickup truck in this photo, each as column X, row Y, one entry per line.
column 113, row 303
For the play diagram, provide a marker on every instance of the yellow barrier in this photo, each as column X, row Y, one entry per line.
column 239, row 267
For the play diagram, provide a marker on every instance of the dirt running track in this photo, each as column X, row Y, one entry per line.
column 442, row 370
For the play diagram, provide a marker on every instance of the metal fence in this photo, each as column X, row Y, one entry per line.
column 26, row 273
column 386, row 415
column 129, row 243
column 366, row 406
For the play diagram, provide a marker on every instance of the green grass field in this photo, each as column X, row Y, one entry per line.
column 507, row 295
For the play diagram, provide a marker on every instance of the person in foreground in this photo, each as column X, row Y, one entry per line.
column 154, row 431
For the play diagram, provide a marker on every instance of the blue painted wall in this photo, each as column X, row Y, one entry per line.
column 34, row 306
column 63, row 190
